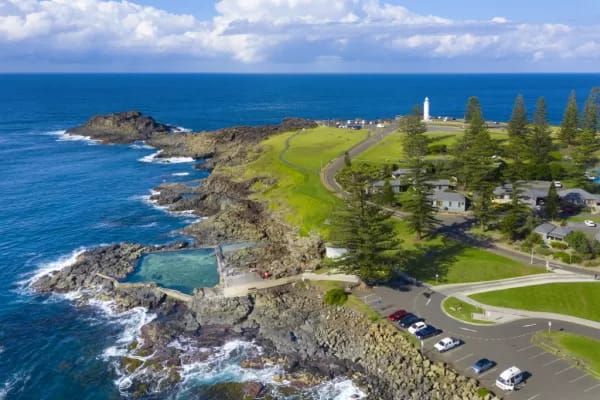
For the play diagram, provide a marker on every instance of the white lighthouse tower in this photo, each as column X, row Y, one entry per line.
column 426, row 116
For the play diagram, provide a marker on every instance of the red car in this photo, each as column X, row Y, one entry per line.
column 397, row 315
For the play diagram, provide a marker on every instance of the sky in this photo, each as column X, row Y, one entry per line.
column 300, row 36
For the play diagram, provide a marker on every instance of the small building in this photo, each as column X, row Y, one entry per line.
column 397, row 185
column 335, row 252
column 449, row 201
column 579, row 198
column 550, row 231
column 441, row 185
column 532, row 193
column 401, row 173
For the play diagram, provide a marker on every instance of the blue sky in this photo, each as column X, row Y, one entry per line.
column 299, row 36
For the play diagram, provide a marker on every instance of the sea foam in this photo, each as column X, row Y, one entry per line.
column 63, row 136
column 155, row 158
column 53, row 266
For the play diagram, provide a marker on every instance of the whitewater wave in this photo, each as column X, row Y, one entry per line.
column 180, row 129
column 141, row 146
column 155, row 158
column 180, row 174
column 62, row 136
column 340, row 388
column 51, row 267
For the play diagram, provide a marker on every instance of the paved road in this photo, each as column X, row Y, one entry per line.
column 507, row 344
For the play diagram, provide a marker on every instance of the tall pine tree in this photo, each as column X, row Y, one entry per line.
column 590, row 112
column 472, row 106
column 540, row 139
column 552, row 205
column 421, row 220
column 517, row 138
column 367, row 232
column 414, row 142
column 517, row 126
column 569, row 127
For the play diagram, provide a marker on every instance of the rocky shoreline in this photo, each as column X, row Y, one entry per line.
column 295, row 329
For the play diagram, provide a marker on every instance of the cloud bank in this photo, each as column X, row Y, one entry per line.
column 312, row 35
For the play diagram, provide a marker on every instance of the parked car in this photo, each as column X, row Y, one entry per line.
column 510, row 378
column 482, row 365
column 446, row 344
column 557, row 184
column 397, row 315
column 417, row 326
column 589, row 222
column 426, row 332
column 409, row 320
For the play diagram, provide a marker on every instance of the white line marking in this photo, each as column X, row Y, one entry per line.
column 577, row 379
column 534, row 397
column 565, row 370
column 525, row 348
column 464, row 358
column 489, row 371
column 537, row 355
column 428, row 301
column 551, row 362
column 467, row 329
column 591, row 388
column 529, row 325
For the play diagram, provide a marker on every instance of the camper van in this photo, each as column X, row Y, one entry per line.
column 510, row 378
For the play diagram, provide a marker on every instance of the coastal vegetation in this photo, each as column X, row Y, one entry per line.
column 581, row 351
column 580, row 300
column 289, row 165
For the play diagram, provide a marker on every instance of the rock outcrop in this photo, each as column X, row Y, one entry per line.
column 125, row 127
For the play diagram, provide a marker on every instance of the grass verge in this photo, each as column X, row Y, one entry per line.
column 581, row 351
column 463, row 311
column 575, row 299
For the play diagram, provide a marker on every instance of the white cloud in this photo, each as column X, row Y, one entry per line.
column 271, row 31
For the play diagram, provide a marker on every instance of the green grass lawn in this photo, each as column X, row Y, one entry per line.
column 576, row 299
column 578, row 350
column 456, row 263
column 297, row 192
column 463, row 311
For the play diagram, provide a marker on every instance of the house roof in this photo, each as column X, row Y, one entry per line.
column 544, row 228
column 402, row 171
column 439, row 182
column 529, row 189
column 576, row 192
column 393, row 182
column 447, row 196
column 553, row 230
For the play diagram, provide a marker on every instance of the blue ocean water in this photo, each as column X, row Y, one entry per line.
column 58, row 196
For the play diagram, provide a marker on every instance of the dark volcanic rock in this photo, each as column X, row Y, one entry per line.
column 126, row 127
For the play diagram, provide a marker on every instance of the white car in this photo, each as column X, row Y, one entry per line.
column 589, row 222
column 510, row 378
column 417, row 326
column 557, row 184
column 446, row 344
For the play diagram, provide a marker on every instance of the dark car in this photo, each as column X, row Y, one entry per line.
column 397, row 315
column 408, row 320
column 426, row 332
column 482, row 365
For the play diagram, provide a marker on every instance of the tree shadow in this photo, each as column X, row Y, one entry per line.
column 432, row 262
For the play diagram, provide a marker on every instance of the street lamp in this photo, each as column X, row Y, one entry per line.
column 549, row 326
column 531, row 262
column 437, row 277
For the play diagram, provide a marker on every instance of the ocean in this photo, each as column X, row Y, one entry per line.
column 60, row 195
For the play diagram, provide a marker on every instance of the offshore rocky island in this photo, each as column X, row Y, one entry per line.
column 310, row 340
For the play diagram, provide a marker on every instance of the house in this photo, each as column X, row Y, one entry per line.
column 441, row 185
column 401, row 173
column 449, row 201
column 531, row 193
column 550, row 231
column 579, row 198
column 397, row 185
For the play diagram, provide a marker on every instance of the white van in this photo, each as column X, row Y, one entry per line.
column 510, row 378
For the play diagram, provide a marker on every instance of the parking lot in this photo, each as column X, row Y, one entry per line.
column 548, row 377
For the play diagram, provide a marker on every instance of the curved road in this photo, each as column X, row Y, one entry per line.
column 508, row 343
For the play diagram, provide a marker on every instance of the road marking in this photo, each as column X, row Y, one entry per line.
column 525, row 348
column 464, row 358
column 591, row 388
column 534, row 397
column 487, row 372
column 537, row 355
column 467, row 329
column 551, row 362
column 564, row 370
column 428, row 301
column 529, row 325
column 577, row 379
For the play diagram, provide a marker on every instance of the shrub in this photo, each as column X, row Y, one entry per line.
column 558, row 245
column 484, row 392
column 438, row 148
column 562, row 256
column 335, row 297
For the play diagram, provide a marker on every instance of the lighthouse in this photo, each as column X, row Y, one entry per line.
column 426, row 109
